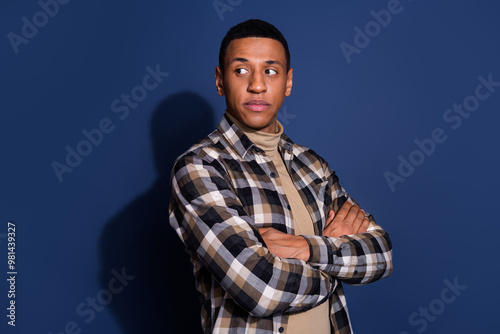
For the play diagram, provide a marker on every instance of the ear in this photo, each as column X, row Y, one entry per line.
column 289, row 82
column 219, row 81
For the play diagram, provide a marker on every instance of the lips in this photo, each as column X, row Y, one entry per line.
column 257, row 105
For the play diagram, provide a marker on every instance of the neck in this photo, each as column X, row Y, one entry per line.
column 266, row 141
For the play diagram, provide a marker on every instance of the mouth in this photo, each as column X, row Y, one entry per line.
column 257, row 105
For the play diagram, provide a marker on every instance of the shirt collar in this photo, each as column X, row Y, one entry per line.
column 241, row 143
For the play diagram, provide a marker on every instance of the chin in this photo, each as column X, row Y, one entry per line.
column 258, row 122
column 258, row 127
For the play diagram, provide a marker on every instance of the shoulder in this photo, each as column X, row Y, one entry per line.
column 306, row 156
column 207, row 152
column 306, row 153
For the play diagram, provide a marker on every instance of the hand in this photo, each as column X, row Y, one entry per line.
column 350, row 219
column 285, row 245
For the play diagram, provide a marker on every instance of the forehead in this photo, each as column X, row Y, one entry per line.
column 256, row 49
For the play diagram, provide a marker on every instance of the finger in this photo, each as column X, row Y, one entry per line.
column 343, row 211
column 263, row 230
column 328, row 223
column 364, row 226
column 358, row 221
column 329, row 218
column 352, row 214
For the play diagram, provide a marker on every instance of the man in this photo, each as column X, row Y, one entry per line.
column 270, row 231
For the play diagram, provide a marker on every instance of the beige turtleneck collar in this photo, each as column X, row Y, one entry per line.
column 266, row 141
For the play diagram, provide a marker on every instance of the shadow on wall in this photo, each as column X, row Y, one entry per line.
column 162, row 297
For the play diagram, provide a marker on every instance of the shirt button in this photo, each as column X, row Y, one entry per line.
column 281, row 330
column 273, row 175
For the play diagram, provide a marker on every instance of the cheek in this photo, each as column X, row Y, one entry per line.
column 279, row 87
column 232, row 95
column 234, row 89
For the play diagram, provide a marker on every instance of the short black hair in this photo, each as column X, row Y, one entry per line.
column 253, row 28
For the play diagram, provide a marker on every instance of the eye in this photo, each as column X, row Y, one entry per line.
column 271, row 71
column 241, row 71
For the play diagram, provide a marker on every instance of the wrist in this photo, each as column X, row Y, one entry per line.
column 303, row 248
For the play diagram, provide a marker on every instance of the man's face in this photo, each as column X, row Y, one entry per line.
column 255, row 81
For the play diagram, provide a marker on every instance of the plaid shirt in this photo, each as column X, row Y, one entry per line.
column 223, row 190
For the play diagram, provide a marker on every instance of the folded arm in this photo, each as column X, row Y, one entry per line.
column 212, row 222
column 351, row 248
column 358, row 258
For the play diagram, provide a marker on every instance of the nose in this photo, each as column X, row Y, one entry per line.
column 257, row 84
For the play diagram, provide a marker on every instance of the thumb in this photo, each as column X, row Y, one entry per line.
column 329, row 218
column 263, row 230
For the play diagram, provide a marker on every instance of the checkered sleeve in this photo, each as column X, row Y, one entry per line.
column 208, row 216
column 354, row 259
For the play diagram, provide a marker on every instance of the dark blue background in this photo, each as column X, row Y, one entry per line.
column 111, row 211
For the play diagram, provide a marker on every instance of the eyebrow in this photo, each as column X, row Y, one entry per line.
column 244, row 60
